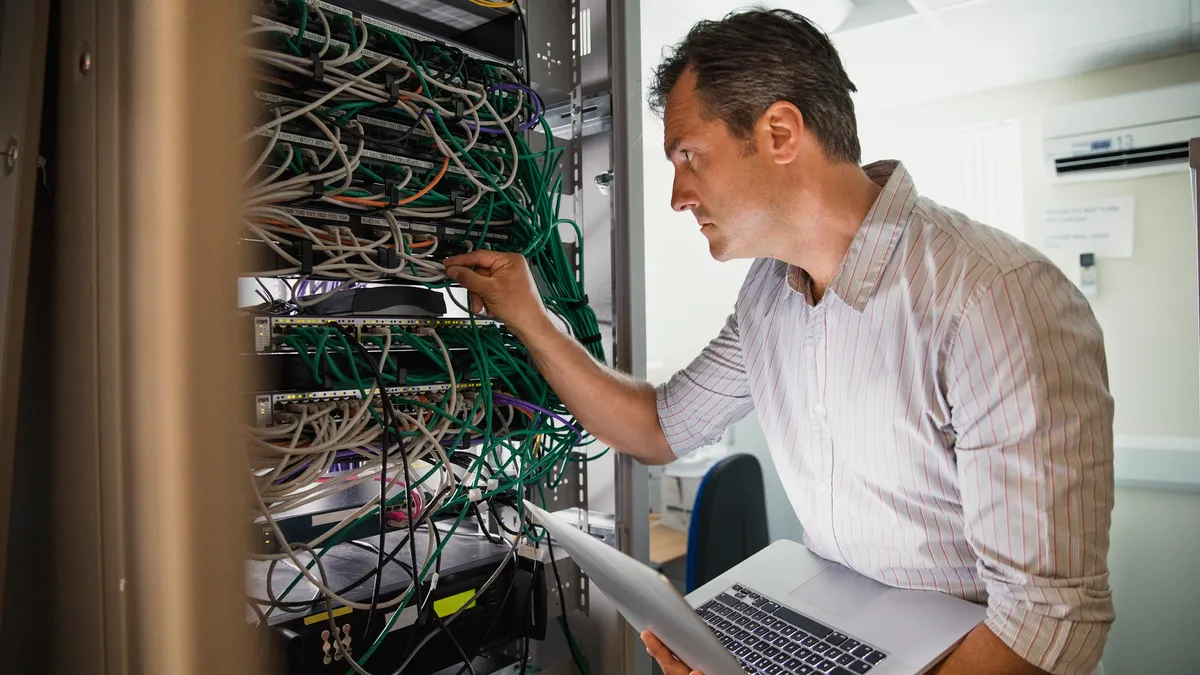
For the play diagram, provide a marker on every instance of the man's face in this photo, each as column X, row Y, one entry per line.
column 725, row 183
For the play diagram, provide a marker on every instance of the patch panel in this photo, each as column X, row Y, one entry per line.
column 265, row 405
column 268, row 329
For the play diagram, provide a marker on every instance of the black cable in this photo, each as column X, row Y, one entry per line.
column 457, row 646
column 483, row 526
column 500, row 522
column 526, row 610
column 524, row 40
column 389, row 417
column 563, row 599
column 512, row 582
column 391, row 557
column 339, row 648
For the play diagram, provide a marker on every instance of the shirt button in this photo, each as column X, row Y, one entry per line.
column 820, row 411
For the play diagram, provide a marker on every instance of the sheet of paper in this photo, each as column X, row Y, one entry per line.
column 1100, row 226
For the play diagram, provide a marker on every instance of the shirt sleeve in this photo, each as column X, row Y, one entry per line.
column 1027, row 384
column 701, row 401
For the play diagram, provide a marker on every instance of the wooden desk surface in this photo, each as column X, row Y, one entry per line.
column 666, row 544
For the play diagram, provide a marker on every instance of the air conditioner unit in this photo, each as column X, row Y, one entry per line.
column 1128, row 136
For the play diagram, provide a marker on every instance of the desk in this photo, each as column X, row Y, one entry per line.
column 666, row 544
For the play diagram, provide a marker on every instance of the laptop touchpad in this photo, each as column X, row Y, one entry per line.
column 839, row 591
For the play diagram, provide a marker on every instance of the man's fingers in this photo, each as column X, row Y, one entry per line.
column 476, row 304
column 474, row 259
column 467, row 277
column 666, row 660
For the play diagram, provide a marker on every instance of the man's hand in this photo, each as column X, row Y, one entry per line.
column 666, row 660
column 502, row 284
column 619, row 411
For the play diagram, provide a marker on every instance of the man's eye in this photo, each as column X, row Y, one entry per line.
column 687, row 155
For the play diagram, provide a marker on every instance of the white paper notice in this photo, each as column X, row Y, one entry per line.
column 1100, row 226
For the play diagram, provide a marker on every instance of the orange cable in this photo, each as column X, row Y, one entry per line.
column 421, row 193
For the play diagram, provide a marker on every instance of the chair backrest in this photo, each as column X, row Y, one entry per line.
column 729, row 519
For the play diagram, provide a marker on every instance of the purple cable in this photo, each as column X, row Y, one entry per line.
column 338, row 456
column 502, row 398
column 538, row 108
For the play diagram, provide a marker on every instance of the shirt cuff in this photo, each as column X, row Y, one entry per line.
column 681, row 436
column 1054, row 637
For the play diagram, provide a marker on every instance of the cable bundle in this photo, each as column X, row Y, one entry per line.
column 401, row 131
column 376, row 155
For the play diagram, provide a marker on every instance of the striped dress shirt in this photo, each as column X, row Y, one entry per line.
column 940, row 419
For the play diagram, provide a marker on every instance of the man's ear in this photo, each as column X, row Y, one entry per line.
column 780, row 132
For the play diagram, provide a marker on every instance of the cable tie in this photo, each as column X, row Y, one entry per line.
column 482, row 507
column 459, row 195
column 527, row 551
column 475, row 494
column 590, row 339
column 393, row 88
column 391, row 190
column 318, row 191
column 433, row 581
column 304, row 250
column 387, row 258
column 318, row 66
column 493, row 485
column 577, row 304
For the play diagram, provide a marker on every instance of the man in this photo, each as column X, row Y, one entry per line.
column 934, row 392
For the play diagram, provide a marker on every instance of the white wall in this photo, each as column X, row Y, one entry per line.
column 688, row 294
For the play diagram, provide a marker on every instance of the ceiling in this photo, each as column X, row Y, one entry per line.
column 950, row 47
column 900, row 52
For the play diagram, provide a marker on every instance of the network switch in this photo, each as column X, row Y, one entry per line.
column 268, row 330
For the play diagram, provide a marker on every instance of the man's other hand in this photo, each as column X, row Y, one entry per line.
column 666, row 660
column 501, row 284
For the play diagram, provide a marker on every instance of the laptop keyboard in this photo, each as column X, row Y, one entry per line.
column 768, row 638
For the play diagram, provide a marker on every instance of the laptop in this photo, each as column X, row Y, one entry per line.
column 784, row 610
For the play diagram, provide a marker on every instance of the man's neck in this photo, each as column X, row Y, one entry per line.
column 842, row 195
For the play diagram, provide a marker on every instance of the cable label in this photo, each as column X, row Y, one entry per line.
column 428, row 229
column 308, row 35
column 275, row 98
column 375, row 121
column 419, row 163
column 310, row 213
column 331, row 8
column 302, row 140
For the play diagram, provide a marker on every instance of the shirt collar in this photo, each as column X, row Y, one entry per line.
column 874, row 243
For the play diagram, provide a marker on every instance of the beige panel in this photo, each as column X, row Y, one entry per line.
column 187, row 476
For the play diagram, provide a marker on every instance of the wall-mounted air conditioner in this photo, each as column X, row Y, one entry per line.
column 1126, row 136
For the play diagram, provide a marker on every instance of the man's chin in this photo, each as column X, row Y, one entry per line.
column 719, row 252
column 721, row 248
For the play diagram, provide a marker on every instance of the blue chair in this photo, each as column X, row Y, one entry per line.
column 729, row 519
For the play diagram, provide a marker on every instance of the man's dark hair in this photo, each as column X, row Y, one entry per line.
column 751, row 59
